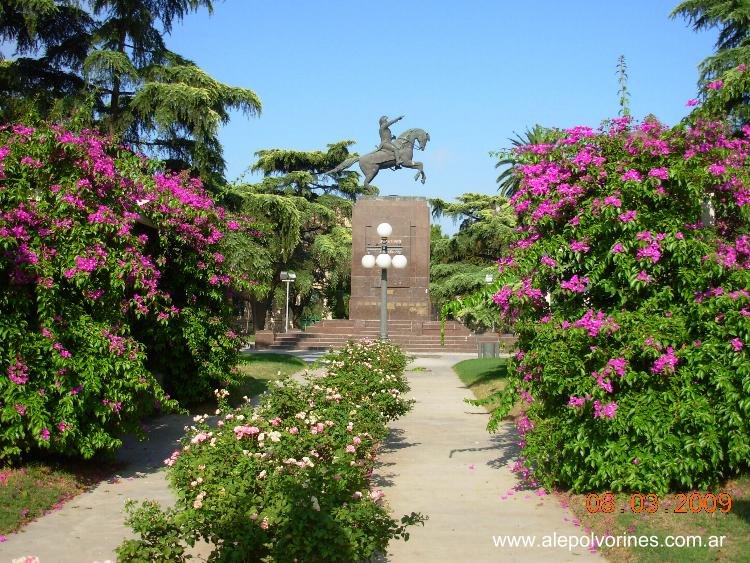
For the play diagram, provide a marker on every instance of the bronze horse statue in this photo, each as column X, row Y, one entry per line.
column 373, row 162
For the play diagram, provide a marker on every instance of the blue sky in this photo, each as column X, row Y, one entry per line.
column 471, row 73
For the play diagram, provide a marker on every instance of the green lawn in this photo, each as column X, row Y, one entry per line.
column 259, row 369
column 734, row 526
column 33, row 490
column 483, row 376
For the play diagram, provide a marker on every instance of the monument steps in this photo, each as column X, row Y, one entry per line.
column 413, row 336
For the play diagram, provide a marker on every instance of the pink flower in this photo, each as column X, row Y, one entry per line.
column 737, row 344
column 618, row 365
column 607, row 410
column 579, row 246
column 665, row 363
column 547, row 261
column 576, row 402
column 614, row 201
column 264, row 524
column 631, row 175
column 594, row 323
column 692, row 102
column 717, row 169
column 627, row 216
column 652, row 252
column 351, row 449
column 644, row 277
column 618, row 248
column 18, row 372
column 575, row 284
column 20, row 409
column 715, row 85
column 44, row 434
column 28, row 161
column 241, row 431
column 661, row 173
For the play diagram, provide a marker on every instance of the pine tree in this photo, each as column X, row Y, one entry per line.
column 312, row 226
column 732, row 19
column 113, row 53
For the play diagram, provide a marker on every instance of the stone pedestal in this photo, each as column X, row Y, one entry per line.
column 408, row 294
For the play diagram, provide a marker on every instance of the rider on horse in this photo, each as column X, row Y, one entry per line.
column 386, row 138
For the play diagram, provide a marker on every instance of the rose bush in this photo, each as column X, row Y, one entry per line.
column 289, row 479
column 111, row 275
column 628, row 285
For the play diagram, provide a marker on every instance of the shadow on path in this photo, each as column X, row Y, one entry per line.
column 395, row 441
column 147, row 456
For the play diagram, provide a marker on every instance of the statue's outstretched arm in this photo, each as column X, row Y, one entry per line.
column 394, row 120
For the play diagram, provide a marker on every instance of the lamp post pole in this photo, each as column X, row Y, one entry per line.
column 384, row 293
column 384, row 261
column 287, row 278
column 286, row 313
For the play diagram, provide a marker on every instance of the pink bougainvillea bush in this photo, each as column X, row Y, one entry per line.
column 629, row 284
column 110, row 276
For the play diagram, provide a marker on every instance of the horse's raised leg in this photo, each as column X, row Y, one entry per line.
column 369, row 170
column 416, row 165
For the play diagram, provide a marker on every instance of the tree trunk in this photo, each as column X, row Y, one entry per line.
column 114, row 103
column 260, row 311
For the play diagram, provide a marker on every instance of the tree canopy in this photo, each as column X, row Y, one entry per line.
column 107, row 59
column 732, row 19
column 312, row 227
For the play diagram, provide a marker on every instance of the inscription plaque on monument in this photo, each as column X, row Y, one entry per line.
column 408, row 296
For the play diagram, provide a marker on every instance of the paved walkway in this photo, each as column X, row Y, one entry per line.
column 439, row 460
column 90, row 526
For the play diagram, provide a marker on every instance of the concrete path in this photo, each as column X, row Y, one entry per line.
column 90, row 526
column 440, row 460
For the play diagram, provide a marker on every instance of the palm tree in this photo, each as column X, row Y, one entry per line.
column 508, row 181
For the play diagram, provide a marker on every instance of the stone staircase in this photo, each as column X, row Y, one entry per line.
column 413, row 336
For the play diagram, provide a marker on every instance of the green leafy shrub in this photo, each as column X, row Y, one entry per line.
column 628, row 284
column 289, row 479
column 110, row 275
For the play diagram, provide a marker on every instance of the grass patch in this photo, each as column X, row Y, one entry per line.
column 734, row 526
column 258, row 369
column 484, row 376
column 29, row 492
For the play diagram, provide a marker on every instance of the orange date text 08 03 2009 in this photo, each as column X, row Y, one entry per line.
column 680, row 503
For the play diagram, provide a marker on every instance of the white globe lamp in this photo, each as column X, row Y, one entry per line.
column 384, row 230
column 383, row 261
column 368, row 261
column 399, row 261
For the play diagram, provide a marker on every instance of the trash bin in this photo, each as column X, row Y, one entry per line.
column 489, row 349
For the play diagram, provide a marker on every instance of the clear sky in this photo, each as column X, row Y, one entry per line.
column 471, row 73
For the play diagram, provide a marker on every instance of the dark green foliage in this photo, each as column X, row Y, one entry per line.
column 108, row 57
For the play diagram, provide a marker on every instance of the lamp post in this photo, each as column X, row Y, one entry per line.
column 384, row 261
column 287, row 278
column 488, row 279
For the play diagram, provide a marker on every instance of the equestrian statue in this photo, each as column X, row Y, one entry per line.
column 393, row 152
